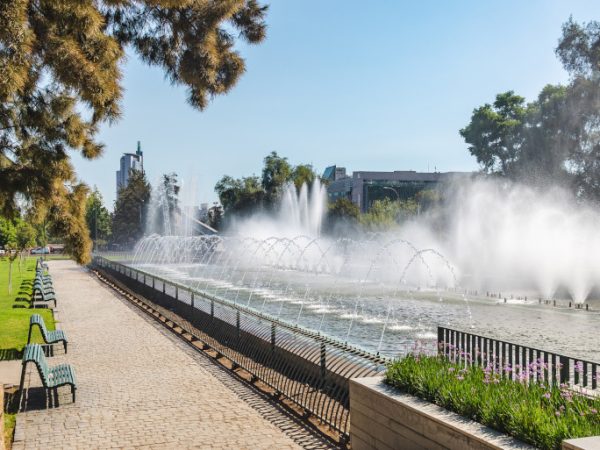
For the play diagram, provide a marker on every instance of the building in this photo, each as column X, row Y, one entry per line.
column 129, row 162
column 364, row 187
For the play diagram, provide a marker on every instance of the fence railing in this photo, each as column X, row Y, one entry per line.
column 517, row 361
column 306, row 367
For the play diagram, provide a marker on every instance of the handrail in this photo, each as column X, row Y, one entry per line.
column 310, row 369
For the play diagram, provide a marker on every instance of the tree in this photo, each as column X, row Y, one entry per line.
column 385, row 214
column 276, row 173
column 579, row 52
column 60, row 80
column 97, row 218
column 555, row 139
column 240, row 196
column 25, row 238
column 303, row 174
column 129, row 217
column 494, row 133
column 342, row 214
column 15, row 236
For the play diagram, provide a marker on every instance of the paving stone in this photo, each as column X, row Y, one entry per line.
column 141, row 387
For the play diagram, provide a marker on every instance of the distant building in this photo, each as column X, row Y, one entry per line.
column 129, row 162
column 364, row 187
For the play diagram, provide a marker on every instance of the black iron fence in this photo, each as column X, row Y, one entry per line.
column 516, row 361
column 306, row 367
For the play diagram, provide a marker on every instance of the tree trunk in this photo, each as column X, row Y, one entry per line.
column 10, row 261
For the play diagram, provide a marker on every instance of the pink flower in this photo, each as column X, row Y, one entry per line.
column 547, row 395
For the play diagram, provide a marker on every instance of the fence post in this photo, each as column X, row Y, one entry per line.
column 440, row 341
column 273, row 331
column 153, row 279
column 564, row 369
column 323, row 360
column 212, row 309
column 192, row 299
column 176, row 292
column 237, row 323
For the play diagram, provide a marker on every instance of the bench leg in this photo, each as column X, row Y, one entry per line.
column 55, row 397
column 73, row 389
column 22, row 384
column 65, row 345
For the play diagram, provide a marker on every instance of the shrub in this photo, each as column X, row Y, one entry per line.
column 533, row 412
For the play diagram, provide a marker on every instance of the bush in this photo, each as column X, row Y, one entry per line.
column 514, row 404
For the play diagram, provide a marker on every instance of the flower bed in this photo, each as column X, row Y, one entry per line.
column 540, row 415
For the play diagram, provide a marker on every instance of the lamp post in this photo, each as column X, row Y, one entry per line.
column 394, row 191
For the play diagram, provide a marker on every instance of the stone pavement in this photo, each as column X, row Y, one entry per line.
column 141, row 387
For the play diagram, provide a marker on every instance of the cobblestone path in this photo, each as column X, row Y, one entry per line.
column 141, row 387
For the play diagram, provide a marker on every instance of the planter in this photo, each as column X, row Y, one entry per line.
column 382, row 417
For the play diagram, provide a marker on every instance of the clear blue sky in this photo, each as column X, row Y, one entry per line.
column 380, row 85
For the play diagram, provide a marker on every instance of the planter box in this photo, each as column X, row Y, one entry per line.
column 381, row 417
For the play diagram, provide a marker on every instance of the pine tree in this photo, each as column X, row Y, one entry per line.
column 129, row 218
column 58, row 55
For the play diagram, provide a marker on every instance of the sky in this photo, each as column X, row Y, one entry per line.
column 379, row 85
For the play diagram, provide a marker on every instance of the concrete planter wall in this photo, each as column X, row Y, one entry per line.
column 381, row 417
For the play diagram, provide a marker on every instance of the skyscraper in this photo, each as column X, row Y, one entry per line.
column 129, row 161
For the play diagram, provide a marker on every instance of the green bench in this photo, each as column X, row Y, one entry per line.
column 38, row 295
column 50, row 337
column 52, row 377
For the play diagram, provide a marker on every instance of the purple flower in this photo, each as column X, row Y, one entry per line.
column 557, row 413
column 547, row 395
column 460, row 378
column 451, row 369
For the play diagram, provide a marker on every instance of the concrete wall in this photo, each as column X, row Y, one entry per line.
column 383, row 418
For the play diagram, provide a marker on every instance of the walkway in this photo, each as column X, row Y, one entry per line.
column 139, row 386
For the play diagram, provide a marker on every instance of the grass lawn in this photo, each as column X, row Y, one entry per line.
column 9, row 428
column 14, row 308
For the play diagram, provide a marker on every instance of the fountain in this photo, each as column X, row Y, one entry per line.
column 385, row 291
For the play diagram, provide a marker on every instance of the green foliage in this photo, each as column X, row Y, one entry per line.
column 537, row 414
column 303, row 174
column 240, row 196
column 555, row 138
column 97, row 218
column 60, row 80
column 8, row 234
column 276, row 173
column 26, row 235
column 494, row 133
column 245, row 195
column 385, row 214
column 131, row 206
column 342, row 214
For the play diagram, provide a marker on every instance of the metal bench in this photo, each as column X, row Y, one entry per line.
column 52, row 377
column 46, row 287
column 38, row 295
column 50, row 337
